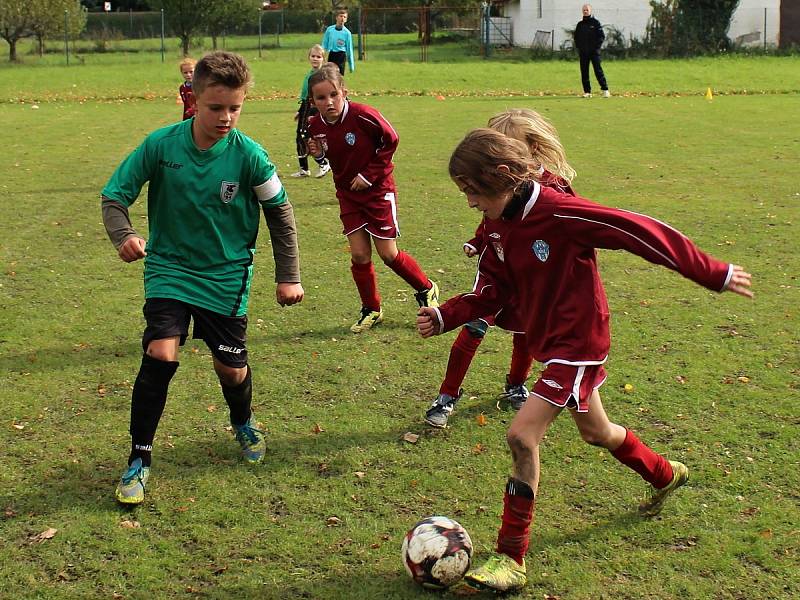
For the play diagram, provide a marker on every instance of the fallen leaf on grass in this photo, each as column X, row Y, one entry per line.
column 481, row 419
column 478, row 448
column 19, row 426
column 333, row 522
column 317, row 428
column 219, row 570
column 360, row 474
column 409, row 437
column 47, row 534
column 766, row 534
column 126, row 524
column 743, row 379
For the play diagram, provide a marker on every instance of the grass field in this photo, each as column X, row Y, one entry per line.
column 715, row 377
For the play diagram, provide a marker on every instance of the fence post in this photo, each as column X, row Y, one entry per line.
column 360, row 43
column 162, row 35
column 487, row 47
column 130, row 21
column 66, row 35
column 260, row 16
column 765, row 28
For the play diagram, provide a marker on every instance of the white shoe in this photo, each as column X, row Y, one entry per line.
column 587, row 95
column 302, row 173
column 606, row 94
column 323, row 170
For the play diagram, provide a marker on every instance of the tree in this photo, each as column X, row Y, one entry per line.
column 49, row 19
column 16, row 22
column 686, row 27
column 228, row 16
column 185, row 17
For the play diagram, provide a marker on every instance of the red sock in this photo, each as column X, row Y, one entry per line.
column 405, row 266
column 518, row 506
column 461, row 355
column 367, row 284
column 654, row 468
column 521, row 361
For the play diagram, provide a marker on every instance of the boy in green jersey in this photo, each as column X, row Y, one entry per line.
column 209, row 184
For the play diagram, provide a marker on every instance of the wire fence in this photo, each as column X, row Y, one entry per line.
column 423, row 33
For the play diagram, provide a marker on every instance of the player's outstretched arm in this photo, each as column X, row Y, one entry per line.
column 427, row 322
column 739, row 282
column 289, row 293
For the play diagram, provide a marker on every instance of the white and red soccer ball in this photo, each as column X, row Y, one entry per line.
column 437, row 552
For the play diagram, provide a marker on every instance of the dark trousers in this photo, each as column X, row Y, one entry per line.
column 338, row 58
column 594, row 57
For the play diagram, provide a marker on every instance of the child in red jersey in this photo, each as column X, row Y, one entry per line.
column 545, row 148
column 185, row 90
column 548, row 272
column 359, row 144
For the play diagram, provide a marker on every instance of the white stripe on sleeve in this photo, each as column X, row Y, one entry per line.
column 269, row 189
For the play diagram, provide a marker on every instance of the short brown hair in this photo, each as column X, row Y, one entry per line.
column 221, row 68
column 477, row 158
column 327, row 72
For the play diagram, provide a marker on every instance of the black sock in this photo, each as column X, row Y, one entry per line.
column 321, row 161
column 239, row 398
column 303, row 162
column 147, row 405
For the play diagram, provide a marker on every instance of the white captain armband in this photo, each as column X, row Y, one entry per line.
column 269, row 189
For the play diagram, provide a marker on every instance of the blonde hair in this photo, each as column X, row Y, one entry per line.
column 541, row 137
column 221, row 68
column 316, row 48
column 477, row 159
column 187, row 62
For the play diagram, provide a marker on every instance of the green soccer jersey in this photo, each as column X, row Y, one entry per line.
column 203, row 209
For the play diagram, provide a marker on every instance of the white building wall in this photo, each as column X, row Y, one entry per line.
column 629, row 16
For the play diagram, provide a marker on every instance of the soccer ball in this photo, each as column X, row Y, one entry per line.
column 437, row 552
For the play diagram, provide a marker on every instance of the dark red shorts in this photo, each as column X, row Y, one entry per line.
column 374, row 211
column 569, row 386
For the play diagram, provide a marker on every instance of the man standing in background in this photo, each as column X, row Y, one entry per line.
column 589, row 36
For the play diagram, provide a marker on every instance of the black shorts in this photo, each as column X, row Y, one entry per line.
column 225, row 336
column 338, row 58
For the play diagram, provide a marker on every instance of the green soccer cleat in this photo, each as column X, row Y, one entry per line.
column 368, row 319
column 653, row 502
column 130, row 489
column 500, row 573
column 252, row 440
column 429, row 297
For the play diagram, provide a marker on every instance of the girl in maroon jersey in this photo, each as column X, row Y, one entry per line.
column 549, row 273
column 185, row 90
column 359, row 144
column 545, row 148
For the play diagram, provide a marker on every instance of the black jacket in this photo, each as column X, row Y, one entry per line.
column 589, row 35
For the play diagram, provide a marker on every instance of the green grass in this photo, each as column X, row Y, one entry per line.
column 212, row 527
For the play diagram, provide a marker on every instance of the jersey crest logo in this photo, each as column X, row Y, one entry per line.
column 350, row 138
column 498, row 249
column 494, row 235
column 227, row 191
column 541, row 249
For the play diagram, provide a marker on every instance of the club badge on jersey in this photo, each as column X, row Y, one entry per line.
column 498, row 249
column 541, row 249
column 227, row 191
column 350, row 138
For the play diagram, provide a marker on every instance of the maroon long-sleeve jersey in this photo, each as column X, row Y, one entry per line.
column 362, row 142
column 187, row 95
column 544, row 263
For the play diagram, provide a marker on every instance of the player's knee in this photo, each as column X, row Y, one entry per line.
column 477, row 328
column 521, row 445
column 360, row 257
column 230, row 376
